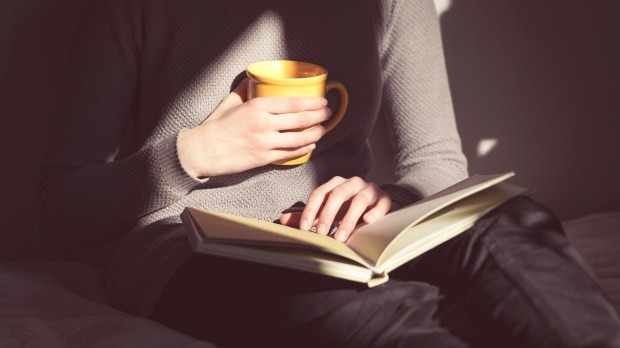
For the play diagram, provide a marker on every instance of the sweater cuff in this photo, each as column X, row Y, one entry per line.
column 401, row 195
column 174, row 178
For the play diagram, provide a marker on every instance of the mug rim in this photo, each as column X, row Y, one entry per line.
column 255, row 74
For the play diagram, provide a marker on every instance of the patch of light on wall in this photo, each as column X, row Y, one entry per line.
column 485, row 146
column 442, row 6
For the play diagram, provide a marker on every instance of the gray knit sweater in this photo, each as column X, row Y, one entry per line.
column 142, row 70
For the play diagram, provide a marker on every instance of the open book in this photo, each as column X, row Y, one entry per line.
column 372, row 250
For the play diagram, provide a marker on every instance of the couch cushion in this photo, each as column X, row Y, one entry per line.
column 63, row 305
column 597, row 238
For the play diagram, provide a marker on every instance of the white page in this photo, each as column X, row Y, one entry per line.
column 370, row 240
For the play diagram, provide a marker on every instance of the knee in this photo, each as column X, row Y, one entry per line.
column 521, row 218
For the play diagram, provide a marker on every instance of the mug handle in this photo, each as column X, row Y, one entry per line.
column 342, row 108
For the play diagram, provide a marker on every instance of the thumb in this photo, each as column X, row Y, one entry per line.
column 238, row 95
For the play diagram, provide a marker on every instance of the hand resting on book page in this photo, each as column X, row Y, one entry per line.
column 345, row 199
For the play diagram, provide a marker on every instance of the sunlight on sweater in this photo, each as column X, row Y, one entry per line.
column 442, row 6
column 266, row 31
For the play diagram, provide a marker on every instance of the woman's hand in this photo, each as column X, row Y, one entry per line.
column 240, row 135
column 344, row 199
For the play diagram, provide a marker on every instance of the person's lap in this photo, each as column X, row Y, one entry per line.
column 513, row 279
column 236, row 303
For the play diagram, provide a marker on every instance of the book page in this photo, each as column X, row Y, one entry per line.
column 371, row 240
column 225, row 228
column 365, row 245
column 445, row 225
column 290, row 257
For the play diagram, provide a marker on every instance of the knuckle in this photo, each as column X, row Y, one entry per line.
column 374, row 187
column 310, row 103
column 387, row 200
column 357, row 180
column 361, row 200
column 301, row 121
column 262, row 123
column 316, row 195
column 338, row 178
column 385, row 197
column 338, row 193
column 326, row 217
column 305, row 138
column 297, row 142
column 295, row 103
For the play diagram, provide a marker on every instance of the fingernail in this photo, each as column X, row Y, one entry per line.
column 304, row 224
column 341, row 235
column 322, row 229
column 323, row 101
column 329, row 112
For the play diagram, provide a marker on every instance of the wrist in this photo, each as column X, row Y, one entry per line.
column 185, row 154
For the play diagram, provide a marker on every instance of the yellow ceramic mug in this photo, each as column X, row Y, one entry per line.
column 291, row 78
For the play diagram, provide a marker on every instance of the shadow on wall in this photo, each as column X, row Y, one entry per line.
column 536, row 89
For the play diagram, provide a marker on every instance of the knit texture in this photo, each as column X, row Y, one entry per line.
column 143, row 70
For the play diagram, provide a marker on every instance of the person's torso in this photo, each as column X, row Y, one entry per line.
column 192, row 53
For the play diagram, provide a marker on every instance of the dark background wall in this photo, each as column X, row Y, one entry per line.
column 34, row 37
column 539, row 79
column 543, row 78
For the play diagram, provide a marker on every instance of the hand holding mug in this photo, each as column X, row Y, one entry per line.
column 240, row 135
column 292, row 78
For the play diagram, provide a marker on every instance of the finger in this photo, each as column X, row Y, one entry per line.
column 238, row 95
column 359, row 204
column 335, row 200
column 300, row 120
column 381, row 207
column 290, row 219
column 296, row 139
column 315, row 202
column 288, row 104
column 284, row 154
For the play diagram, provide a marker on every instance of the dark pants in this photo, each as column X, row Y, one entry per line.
column 513, row 280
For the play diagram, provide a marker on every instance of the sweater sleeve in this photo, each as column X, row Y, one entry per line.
column 86, row 195
column 417, row 103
